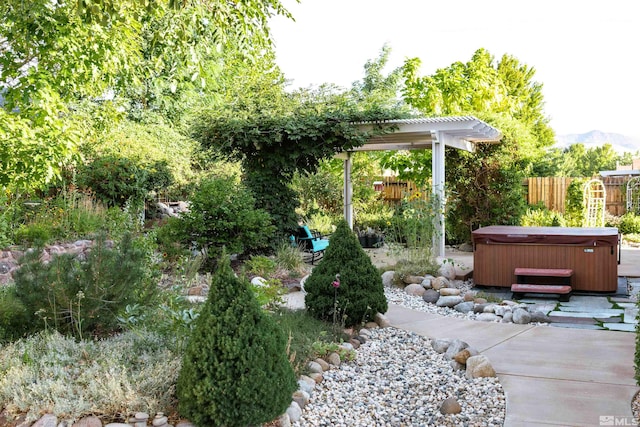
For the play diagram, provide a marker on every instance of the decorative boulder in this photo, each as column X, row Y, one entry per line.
column 439, row 283
column 479, row 366
column 430, row 296
column 387, row 278
column 414, row 289
column 521, row 316
column 451, row 301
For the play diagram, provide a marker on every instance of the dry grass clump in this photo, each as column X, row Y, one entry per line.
column 50, row 373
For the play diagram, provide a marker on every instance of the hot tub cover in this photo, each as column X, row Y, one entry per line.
column 501, row 234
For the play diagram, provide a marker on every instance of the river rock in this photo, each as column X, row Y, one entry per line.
column 430, row 296
column 464, row 307
column 448, row 292
column 415, row 289
column 439, row 283
column 412, row 279
column 450, row 301
column 455, row 347
column 450, row 406
column 387, row 278
column 521, row 316
column 479, row 366
column 487, row 317
column 294, row 411
column 441, row 345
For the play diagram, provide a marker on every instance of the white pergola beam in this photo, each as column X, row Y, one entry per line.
column 423, row 133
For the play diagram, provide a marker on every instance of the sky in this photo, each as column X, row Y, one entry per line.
column 586, row 53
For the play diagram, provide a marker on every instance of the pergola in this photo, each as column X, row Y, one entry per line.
column 433, row 133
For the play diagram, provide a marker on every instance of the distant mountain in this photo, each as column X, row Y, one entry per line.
column 596, row 138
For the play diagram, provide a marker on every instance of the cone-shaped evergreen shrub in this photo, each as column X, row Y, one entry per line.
column 360, row 294
column 235, row 370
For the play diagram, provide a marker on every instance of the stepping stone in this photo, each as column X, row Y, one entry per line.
column 624, row 327
column 589, row 314
column 622, row 300
column 589, row 302
column 631, row 315
column 576, row 320
column 627, row 304
column 576, row 326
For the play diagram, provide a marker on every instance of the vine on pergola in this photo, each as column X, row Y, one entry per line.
column 272, row 148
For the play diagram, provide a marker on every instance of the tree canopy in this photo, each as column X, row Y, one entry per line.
column 53, row 54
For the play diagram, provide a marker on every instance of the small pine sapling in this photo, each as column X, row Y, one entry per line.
column 235, row 370
column 360, row 294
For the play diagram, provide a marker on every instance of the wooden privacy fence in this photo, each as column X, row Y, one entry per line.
column 552, row 192
column 394, row 190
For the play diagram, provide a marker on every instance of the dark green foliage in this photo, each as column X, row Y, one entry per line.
column 84, row 297
column 14, row 319
column 360, row 295
column 116, row 180
column 235, row 370
column 224, row 213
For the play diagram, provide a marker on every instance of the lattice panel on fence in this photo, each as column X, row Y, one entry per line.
column 595, row 197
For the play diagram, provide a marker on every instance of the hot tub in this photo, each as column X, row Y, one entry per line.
column 592, row 254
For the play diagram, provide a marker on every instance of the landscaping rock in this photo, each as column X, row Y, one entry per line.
column 456, row 366
column 464, row 307
column 508, row 317
column 450, row 301
column 450, row 406
column 441, row 345
column 47, row 420
column 479, row 308
column 540, row 317
column 521, row 316
column 439, row 283
column 448, row 292
column 360, row 338
column 454, row 348
column 462, row 356
column 480, row 301
column 307, row 384
column 160, row 420
column 426, row 282
column 500, row 310
column 448, row 270
column 489, row 308
column 415, row 289
column 387, row 278
column 354, row 343
column 469, row 296
column 88, row 422
column 479, row 366
column 294, row 412
column 487, row 317
column 382, row 321
column 412, row 279
column 284, row 420
column 334, row 359
column 323, row 363
column 301, row 398
column 259, row 281
column 315, row 367
column 430, row 296
column 316, row 376
column 371, row 325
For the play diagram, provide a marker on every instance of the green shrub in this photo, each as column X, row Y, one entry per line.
column 360, row 294
column 224, row 214
column 84, row 297
column 574, row 211
column 235, row 370
column 542, row 217
column 260, row 265
column 629, row 224
column 13, row 315
column 117, row 180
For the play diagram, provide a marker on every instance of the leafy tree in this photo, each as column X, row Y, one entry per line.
column 235, row 370
column 484, row 187
column 51, row 56
column 360, row 294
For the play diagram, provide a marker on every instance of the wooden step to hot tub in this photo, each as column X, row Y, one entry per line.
column 519, row 289
column 544, row 276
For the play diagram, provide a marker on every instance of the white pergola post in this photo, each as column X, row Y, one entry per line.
column 347, row 193
column 437, row 178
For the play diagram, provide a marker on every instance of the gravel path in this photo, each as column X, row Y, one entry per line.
column 397, row 379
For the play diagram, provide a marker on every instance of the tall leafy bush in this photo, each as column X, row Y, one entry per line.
column 360, row 294
column 235, row 370
column 224, row 213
